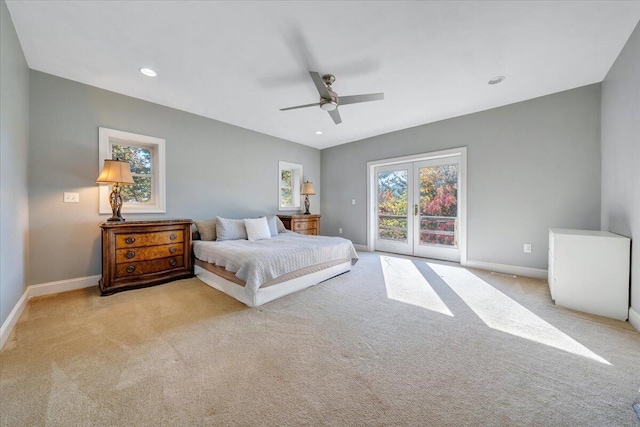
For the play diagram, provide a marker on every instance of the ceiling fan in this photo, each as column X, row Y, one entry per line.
column 329, row 100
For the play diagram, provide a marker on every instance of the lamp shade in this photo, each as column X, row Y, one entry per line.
column 307, row 189
column 116, row 172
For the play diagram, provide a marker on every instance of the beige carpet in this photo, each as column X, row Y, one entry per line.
column 396, row 341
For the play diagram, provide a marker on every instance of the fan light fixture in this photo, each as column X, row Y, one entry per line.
column 496, row 80
column 148, row 72
column 329, row 105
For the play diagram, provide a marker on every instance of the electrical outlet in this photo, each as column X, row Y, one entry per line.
column 527, row 248
column 71, row 198
column 353, row 202
column 339, row 230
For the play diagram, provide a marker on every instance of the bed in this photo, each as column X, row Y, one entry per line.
column 256, row 272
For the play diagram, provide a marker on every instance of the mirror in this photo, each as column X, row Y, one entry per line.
column 289, row 186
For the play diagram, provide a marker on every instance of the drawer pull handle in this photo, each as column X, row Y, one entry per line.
column 130, row 240
column 173, row 236
column 131, row 254
column 298, row 225
column 130, row 269
column 173, row 262
column 172, row 250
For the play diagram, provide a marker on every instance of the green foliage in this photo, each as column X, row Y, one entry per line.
column 140, row 162
column 286, row 188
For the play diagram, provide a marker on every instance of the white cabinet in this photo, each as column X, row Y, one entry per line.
column 589, row 271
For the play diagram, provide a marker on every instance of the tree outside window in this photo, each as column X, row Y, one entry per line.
column 140, row 161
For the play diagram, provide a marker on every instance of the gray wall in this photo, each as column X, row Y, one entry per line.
column 14, row 128
column 212, row 168
column 621, row 152
column 531, row 166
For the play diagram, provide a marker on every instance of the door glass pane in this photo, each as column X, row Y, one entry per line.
column 392, row 205
column 438, row 205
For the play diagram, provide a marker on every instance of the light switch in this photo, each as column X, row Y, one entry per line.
column 353, row 202
column 71, row 197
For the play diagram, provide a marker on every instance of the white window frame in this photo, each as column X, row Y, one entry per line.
column 109, row 137
column 296, row 183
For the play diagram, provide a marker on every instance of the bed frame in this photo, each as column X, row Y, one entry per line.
column 264, row 295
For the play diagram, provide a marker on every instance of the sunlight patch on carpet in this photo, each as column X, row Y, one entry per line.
column 501, row 313
column 405, row 283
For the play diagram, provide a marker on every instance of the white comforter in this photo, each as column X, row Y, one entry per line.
column 258, row 262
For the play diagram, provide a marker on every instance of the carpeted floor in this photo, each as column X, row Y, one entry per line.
column 397, row 341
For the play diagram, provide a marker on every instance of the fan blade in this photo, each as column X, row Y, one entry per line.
column 335, row 116
column 322, row 88
column 315, row 104
column 354, row 99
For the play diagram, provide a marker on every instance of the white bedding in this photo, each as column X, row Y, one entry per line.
column 261, row 261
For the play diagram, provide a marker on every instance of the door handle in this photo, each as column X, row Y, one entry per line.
column 415, row 210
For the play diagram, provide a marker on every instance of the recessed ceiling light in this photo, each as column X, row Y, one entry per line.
column 148, row 72
column 318, row 132
column 496, row 80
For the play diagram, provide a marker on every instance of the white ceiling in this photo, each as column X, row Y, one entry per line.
column 240, row 62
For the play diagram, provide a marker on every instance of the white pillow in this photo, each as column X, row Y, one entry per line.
column 257, row 229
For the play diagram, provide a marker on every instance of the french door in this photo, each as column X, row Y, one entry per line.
column 417, row 208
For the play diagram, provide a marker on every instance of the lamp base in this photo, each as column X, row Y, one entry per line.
column 112, row 219
column 306, row 205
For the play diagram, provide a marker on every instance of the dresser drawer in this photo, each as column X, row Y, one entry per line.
column 148, row 253
column 146, row 267
column 312, row 232
column 133, row 240
column 305, row 225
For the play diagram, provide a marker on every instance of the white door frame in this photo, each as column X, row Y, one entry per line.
column 462, row 202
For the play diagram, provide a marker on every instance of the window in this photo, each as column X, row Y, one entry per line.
column 289, row 185
column 145, row 155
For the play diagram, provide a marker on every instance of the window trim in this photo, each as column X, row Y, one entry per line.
column 108, row 137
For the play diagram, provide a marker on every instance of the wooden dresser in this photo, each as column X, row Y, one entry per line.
column 302, row 224
column 136, row 254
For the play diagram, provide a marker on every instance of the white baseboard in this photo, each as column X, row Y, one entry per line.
column 634, row 319
column 13, row 317
column 40, row 290
column 508, row 269
column 361, row 248
column 63, row 286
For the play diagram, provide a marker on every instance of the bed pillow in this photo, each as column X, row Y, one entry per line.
column 206, row 229
column 273, row 226
column 280, row 225
column 230, row 229
column 257, row 229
